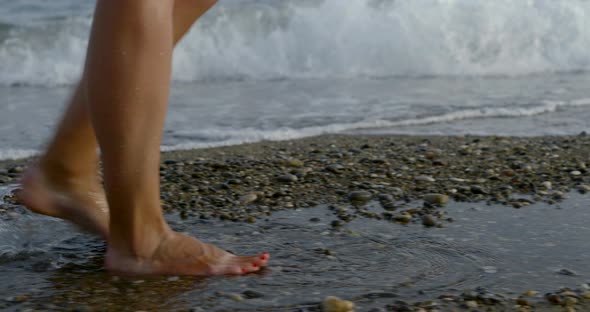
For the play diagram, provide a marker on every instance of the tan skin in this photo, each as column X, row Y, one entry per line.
column 120, row 105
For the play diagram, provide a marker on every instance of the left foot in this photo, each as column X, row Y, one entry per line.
column 83, row 204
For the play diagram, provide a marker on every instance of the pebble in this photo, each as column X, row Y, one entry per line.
column 334, row 168
column 236, row 297
column 173, row 278
column 531, row 293
column 428, row 220
column 566, row 272
column 335, row 304
column 553, row 298
column 396, row 191
column 248, row 198
column 360, row 196
column 404, row 217
column 287, row 178
column 250, row 294
column 436, row 199
column 385, row 197
column 522, row 301
column 570, row 301
column 547, row 185
column 294, row 163
column 471, row 304
column 424, row 178
column 575, row 173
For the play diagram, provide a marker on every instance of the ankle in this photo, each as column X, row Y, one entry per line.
column 139, row 240
column 63, row 174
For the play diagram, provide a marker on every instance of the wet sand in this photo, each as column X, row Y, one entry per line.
column 407, row 182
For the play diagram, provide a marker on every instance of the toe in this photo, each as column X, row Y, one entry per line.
column 256, row 261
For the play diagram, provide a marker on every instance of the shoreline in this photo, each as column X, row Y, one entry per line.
column 412, row 178
column 250, row 181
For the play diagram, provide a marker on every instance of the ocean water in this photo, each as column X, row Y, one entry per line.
column 255, row 70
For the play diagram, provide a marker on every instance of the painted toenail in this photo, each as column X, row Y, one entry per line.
column 255, row 265
column 244, row 270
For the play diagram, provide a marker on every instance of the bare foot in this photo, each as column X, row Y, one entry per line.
column 179, row 254
column 83, row 204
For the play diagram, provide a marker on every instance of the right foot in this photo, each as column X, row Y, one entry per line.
column 179, row 254
column 85, row 206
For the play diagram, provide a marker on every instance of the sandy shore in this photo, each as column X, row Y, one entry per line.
column 249, row 182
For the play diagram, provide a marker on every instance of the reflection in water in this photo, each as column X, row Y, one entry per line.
column 46, row 264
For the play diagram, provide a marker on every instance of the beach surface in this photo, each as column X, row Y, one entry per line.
column 392, row 223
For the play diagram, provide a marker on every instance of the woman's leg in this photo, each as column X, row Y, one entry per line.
column 127, row 81
column 64, row 183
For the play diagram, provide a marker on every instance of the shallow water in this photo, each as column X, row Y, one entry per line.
column 372, row 262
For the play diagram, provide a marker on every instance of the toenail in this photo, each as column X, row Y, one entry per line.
column 255, row 265
column 262, row 257
column 244, row 270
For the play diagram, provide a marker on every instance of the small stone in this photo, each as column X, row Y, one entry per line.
column 547, row 185
column 586, row 295
column 477, row 190
column 508, row 173
column 360, row 196
column 21, row 298
column 287, row 178
column 250, row 294
column 522, row 301
column 294, row 163
column 424, row 178
column 553, row 298
column 471, row 304
column 566, row 272
column 570, row 301
column 436, row 199
column 173, row 278
column 248, row 198
column 17, row 169
column 440, row 162
column 584, row 188
column 396, row 191
column 236, row 297
column 335, row 304
column 390, row 206
column 530, row 293
column 569, row 293
column 336, row 224
column 385, row 197
column 334, row 168
column 575, row 173
column 457, row 180
column 403, row 217
column 428, row 220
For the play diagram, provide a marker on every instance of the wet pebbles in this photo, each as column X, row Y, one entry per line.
column 413, row 179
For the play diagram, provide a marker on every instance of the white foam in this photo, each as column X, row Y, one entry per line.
column 230, row 136
column 335, row 38
column 16, row 153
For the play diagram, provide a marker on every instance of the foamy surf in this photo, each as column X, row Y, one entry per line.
column 206, row 138
column 265, row 40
